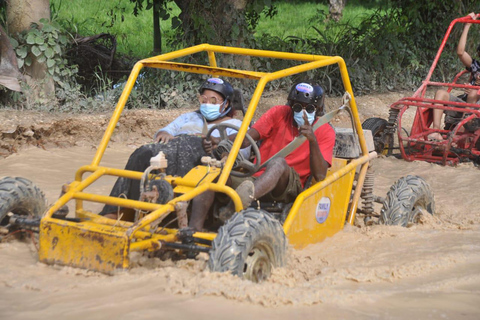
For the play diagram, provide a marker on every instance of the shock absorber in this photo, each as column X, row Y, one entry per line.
column 390, row 129
column 367, row 195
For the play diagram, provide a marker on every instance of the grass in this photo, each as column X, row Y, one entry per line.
column 89, row 17
column 296, row 18
column 135, row 34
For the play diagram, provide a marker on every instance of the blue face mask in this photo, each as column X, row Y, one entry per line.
column 210, row 111
column 298, row 117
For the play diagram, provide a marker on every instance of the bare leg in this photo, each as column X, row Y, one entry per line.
column 200, row 207
column 437, row 115
column 472, row 96
column 274, row 179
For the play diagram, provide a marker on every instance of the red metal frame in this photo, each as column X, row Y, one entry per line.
column 460, row 144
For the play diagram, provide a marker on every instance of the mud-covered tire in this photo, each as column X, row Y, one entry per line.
column 20, row 196
column 377, row 126
column 408, row 198
column 249, row 245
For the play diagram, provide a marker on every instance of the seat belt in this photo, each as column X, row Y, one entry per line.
column 289, row 148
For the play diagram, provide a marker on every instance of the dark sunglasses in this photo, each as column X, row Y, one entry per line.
column 297, row 107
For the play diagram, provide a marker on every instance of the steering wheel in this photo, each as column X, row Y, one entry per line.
column 225, row 145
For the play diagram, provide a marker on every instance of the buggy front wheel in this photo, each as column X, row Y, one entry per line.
column 20, row 196
column 407, row 199
column 249, row 245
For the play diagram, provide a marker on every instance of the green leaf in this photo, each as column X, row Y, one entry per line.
column 56, row 25
column 62, row 39
column 13, row 42
column 43, row 47
column 41, row 59
column 49, row 53
column 31, row 38
column 39, row 40
column 44, row 20
column 51, row 71
column 28, row 61
column 57, row 49
column 22, row 52
column 20, row 63
column 36, row 51
column 50, row 63
column 35, row 32
column 48, row 28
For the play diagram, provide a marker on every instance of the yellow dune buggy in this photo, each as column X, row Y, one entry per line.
column 255, row 239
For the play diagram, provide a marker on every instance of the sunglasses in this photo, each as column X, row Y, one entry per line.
column 297, row 107
column 212, row 100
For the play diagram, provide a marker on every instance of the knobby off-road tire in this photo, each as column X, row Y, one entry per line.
column 20, row 196
column 377, row 126
column 249, row 245
column 407, row 200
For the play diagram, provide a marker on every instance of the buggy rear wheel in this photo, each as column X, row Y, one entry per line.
column 20, row 196
column 249, row 245
column 377, row 126
column 407, row 200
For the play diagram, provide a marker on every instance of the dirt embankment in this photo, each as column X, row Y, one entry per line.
column 21, row 129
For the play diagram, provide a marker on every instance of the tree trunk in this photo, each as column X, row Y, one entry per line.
column 9, row 73
column 224, row 23
column 335, row 8
column 157, row 32
column 20, row 14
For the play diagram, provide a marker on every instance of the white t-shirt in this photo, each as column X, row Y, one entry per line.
column 192, row 123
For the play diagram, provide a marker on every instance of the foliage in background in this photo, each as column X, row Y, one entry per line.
column 47, row 43
column 387, row 44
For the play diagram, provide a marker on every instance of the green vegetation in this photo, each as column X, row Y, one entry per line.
column 91, row 17
column 386, row 44
column 294, row 18
column 134, row 34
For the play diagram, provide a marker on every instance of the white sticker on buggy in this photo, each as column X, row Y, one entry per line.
column 323, row 210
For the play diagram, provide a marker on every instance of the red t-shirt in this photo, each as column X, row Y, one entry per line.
column 277, row 129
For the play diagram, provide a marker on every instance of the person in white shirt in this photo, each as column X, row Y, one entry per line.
column 181, row 140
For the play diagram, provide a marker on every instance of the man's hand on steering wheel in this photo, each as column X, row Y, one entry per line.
column 209, row 143
column 224, row 146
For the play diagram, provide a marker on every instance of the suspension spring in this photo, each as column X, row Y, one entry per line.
column 392, row 121
column 367, row 192
column 390, row 129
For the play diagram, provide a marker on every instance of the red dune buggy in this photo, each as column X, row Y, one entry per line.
column 461, row 131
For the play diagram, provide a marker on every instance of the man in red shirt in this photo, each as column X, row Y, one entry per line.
column 282, row 179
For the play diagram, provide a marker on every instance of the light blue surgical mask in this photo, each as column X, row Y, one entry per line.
column 298, row 116
column 210, row 111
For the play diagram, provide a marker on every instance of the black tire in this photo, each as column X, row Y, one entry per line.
column 377, row 126
column 20, row 196
column 249, row 245
column 407, row 200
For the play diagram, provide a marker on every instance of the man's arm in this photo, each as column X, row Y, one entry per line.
column 318, row 164
column 464, row 57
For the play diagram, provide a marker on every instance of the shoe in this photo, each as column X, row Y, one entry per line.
column 435, row 136
column 245, row 191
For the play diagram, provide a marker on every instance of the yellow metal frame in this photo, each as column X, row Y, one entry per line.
column 102, row 244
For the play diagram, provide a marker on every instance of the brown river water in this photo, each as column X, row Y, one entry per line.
column 427, row 271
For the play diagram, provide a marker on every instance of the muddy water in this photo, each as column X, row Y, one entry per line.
column 428, row 271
